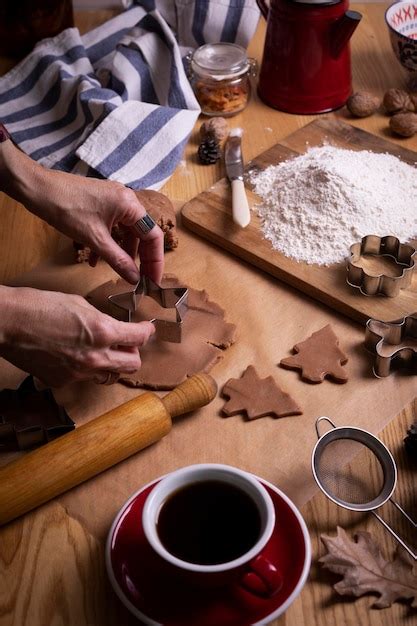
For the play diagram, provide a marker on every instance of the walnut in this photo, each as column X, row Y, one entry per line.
column 215, row 128
column 404, row 124
column 396, row 100
column 362, row 104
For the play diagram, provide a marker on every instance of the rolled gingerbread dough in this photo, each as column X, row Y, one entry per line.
column 205, row 336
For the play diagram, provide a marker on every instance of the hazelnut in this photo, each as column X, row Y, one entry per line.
column 362, row 104
column 396, row 100
column 215, row 128
column 404, row 124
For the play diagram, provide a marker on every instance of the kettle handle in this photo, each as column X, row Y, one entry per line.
column 343, row 30
column 263, row 7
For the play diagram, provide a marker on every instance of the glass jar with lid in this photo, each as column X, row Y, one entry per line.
column 220, row 77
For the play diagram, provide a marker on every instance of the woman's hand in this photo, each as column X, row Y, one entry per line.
column 85, row 209
column 61, row 338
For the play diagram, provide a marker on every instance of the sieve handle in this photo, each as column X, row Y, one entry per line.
column 401, row 510
column 318, row 420
column 394, row 534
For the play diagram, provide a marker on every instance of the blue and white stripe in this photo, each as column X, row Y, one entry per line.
column 116, row 103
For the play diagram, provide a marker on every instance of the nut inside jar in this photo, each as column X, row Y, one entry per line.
column 222, row 97
column 219, row 75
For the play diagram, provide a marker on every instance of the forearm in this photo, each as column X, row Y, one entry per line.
column 9, row 315
column 84, row 209
column 21, row 178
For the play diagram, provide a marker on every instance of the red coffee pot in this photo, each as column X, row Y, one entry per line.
column 306, row 60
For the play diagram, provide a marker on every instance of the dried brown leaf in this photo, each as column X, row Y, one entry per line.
column 365, row 570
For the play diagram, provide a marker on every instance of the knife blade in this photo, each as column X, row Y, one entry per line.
column 234, row 169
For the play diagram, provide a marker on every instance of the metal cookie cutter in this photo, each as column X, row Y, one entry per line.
column 169, row 298
column 402, row 253
column 30, row 417
column 381, row 338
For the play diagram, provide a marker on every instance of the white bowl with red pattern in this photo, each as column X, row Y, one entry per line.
column 401, row 19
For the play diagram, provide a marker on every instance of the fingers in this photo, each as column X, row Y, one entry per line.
column 123, row 358
column 151, row 247
column 117, row 361
column 116, row 345
column 130, row 243
column 119, row 260
column 131, row 334
column 126, row 211
column 151, row 254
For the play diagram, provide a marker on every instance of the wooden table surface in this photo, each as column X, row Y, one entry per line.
column 67, row 585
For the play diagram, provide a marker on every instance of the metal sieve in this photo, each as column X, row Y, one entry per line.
column 357, row 471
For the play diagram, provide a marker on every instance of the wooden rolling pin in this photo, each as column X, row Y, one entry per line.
column 94, row 447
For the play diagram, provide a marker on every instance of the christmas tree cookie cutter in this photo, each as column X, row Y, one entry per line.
column 370, row 285
column 382, row 340
column 168, row 298
column 30, row 417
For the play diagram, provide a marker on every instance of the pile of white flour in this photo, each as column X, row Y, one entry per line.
column 315, row 206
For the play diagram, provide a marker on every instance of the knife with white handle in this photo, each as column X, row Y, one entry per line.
column 234, row 170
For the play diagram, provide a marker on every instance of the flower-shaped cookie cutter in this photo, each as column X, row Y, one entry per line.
column 403, row 254
column 168, row 298
column 382, row 339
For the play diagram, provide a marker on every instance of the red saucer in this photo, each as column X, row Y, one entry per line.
column 149, row 591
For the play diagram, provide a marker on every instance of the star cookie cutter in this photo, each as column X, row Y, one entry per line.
column 403, row 254
column 382, row 339
column 169, row 298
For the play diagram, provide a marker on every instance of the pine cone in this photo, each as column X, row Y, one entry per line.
column 209, row 151
column 410, row 441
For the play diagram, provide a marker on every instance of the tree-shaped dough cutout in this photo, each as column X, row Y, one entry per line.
column 319, row 357
column 257, row 397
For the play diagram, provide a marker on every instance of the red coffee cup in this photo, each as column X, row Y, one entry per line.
column 210, row 524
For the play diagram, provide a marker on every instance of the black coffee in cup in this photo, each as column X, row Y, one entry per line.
column 209, row 522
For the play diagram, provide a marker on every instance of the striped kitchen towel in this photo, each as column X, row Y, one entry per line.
column 116, row 103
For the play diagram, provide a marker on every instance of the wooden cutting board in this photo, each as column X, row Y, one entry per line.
column 209, row 215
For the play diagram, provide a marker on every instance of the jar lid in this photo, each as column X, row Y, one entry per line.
column 220, row 60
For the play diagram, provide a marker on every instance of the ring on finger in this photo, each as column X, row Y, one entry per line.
column 144, row 225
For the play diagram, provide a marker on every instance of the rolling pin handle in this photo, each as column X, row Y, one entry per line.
column 196, row 391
